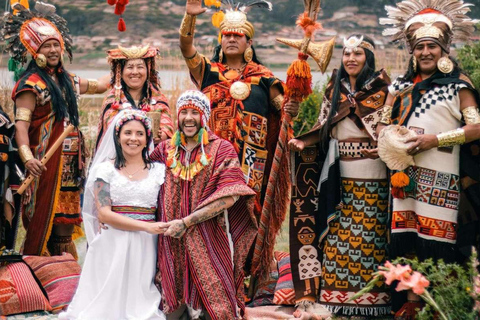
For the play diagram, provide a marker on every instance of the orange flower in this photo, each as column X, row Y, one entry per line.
column 416, row 282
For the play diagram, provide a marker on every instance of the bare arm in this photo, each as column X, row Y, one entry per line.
column 102, row 86
column 27, row 100
column 107, row 216
column 178, row 227
column 192, row 8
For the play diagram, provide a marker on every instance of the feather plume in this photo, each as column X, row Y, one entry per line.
column 44, row 9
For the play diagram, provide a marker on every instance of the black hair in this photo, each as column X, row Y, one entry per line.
column 216, row 54
column 365, row 74
column 411, row 74
column 63, row 96
column 120, row 161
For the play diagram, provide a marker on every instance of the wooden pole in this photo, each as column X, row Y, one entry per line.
column 47, row 156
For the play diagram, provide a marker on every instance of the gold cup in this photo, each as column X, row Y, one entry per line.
column 155, row 117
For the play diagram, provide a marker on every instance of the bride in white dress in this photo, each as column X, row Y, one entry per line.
column 119, row 213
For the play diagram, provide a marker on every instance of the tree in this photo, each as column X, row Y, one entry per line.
column 469, row 58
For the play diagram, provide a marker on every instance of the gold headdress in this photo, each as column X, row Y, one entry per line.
column 234, row 19
column 436, row 20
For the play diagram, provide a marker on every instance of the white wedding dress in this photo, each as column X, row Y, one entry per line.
column 117, row 277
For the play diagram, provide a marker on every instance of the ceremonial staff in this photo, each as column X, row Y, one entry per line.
column 47, row 157
column 299, row 86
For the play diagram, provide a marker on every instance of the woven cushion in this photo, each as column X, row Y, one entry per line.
column 264, row 294
column 284, row 291
column 59, row 276
column 19, row 292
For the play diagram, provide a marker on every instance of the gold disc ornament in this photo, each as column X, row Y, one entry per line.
column 239, row 90
column 445, row 65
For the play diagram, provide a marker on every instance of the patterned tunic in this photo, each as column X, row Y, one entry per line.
column 425, row 222
column 204, row 268
column 56, row 195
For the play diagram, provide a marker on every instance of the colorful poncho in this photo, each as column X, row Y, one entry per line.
column 200, row 268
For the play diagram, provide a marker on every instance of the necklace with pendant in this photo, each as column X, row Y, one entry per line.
column 130, row 175
column 239, row 90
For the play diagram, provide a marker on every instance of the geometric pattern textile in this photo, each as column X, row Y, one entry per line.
column 354, row 248
column 284, row 291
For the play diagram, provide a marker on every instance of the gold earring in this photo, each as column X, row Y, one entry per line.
column 41, row 61
column 414, row 64
column 445, row 65
column 220, row 56
column 248, row 54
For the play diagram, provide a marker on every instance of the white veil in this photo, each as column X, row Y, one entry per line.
column 105, row 152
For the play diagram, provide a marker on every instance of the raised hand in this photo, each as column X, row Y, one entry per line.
column 296, row 144
column 194, row 7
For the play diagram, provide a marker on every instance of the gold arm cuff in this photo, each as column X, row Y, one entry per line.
column 92, row 86
column 451, row 138
column 277, row 102
column 23, row 114
column 25, row 153
column 386, row 117
column 471, row 115
column 187, row 28
column 194, row 61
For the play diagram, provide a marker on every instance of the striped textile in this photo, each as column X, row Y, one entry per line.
column 59, row 276
column 19, row 292
column 137, row 213
column 197, row 269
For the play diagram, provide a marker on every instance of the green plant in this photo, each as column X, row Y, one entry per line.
column 469, row 58
column 309, row 110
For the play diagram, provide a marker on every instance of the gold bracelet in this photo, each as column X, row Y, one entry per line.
column 471, row 115
column 23, row 114
column 277, row 102
column 25, row 153
column 92, row 86
column 194, row 61
column 451, row 138
column 386, row 117
column 187, row 28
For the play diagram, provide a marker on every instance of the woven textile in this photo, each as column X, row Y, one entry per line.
column 284, row 290
column 355, row 247
column 19, row 292
column 200, row 268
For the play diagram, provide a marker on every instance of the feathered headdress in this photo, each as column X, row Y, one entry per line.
column 438, row 20
column 233, row 18
column 26, row 30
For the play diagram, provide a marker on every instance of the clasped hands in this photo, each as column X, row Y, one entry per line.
column 175, row 228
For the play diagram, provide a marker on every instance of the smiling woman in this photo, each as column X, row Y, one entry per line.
column 135, row 86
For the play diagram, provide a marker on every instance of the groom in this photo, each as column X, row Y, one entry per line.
column 208, row 213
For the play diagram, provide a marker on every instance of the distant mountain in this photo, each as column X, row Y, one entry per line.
column 146, row 18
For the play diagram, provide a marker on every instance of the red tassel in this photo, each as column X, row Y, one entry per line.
column 121, row 25
column 398, row 193
column 123, row 2
column 119, row 9
column 112, row 2
column 299, row 78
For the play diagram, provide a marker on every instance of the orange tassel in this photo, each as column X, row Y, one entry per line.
column 112, row 2
column 308, row 25
column 205, row 138
column 121, row 25
column 119, row 9
column 400, row 180
column 299, row 78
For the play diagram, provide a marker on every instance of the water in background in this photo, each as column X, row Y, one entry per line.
column 170, row 79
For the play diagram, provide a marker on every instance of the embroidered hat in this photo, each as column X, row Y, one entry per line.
column 196, row 100
column 35, row 32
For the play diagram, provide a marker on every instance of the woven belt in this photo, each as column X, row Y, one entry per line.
column 137, row 213
column 350, row 149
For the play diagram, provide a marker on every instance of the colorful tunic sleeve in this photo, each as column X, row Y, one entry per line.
column 32, row 83
column 159, row 153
